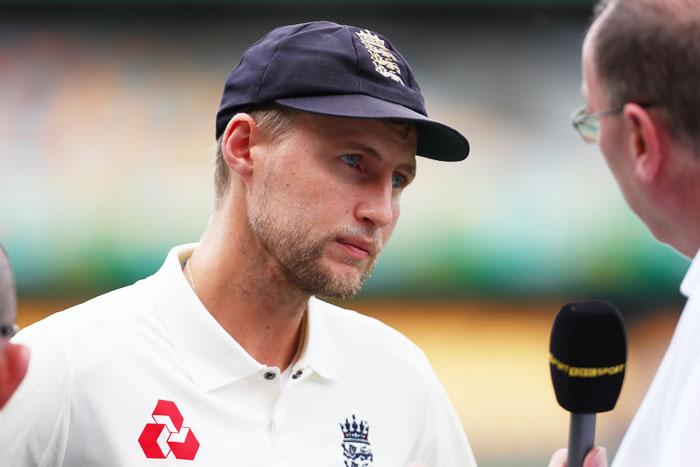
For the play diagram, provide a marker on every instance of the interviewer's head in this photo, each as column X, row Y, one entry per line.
column 640, row 83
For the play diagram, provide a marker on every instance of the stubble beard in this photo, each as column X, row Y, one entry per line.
column 298, row 254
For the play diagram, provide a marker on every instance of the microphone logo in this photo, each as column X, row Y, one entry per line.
column 585, row 372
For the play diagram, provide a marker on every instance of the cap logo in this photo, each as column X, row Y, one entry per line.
column 384, row 61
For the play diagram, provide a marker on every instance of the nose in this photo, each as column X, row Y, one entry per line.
column 377, row 205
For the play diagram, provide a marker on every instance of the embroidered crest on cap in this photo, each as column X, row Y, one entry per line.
column 356, row 447
column 384, row 61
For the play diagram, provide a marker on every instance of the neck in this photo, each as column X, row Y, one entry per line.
column 679, row 193
column 242, row 288
column 689, row 246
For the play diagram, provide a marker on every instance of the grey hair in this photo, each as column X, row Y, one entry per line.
column 646, row 51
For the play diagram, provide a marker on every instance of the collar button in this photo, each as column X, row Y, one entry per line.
column 269, row 375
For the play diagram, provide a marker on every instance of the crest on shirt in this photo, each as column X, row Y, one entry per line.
column 384, row 61
column 357, row 450
column 168, row 435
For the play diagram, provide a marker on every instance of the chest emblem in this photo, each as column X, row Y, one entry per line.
column 168, row 435
column 357, row 450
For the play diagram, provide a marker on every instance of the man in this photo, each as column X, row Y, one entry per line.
column 13, row 358
column 640, row 83
column 225, row 356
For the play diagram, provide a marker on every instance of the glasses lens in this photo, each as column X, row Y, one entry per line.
column 589, row 129
column 586, row 125
column 8, row 330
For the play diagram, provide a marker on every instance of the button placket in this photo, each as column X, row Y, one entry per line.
column 264, row 389
column 278, row 430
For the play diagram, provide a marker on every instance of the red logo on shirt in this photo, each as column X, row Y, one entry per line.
column 168, row 435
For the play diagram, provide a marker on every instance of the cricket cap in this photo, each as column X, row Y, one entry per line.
column 337, row 70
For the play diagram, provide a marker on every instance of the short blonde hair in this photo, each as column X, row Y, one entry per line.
column 274, row 120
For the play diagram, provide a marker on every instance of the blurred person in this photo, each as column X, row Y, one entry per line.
column 14, row 358
column 225, row 356
column 640, row 83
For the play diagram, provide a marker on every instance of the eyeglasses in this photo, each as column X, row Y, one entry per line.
column 8, row 330
column 588, row 124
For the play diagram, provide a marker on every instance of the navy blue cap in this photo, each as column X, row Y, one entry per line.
column 332, row 69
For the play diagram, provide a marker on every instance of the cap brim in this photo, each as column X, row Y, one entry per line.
column 435, row 140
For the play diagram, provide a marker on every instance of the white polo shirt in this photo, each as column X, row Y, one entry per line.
column 145, row 376
column 665, row 431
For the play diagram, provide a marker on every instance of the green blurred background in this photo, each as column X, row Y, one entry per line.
column 106, row 135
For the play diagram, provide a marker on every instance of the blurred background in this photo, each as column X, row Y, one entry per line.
column 106, row 134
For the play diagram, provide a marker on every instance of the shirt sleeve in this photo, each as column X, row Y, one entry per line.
column 34, row 422
column 442, row 441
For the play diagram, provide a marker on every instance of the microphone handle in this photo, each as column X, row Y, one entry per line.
column 581, row 437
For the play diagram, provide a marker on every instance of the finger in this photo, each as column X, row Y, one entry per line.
column 558, row 458
column 13, row 366
column 596, row 457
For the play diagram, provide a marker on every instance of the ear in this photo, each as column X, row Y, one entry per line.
column 646, row 142
column 238, row 139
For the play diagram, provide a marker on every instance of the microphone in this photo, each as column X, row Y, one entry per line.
column 587, row 360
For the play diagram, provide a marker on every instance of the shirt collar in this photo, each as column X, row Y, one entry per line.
column 210, row 355
column 320, row 351
column 691, row 281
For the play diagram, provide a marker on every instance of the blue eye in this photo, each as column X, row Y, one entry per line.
column 351, row 159
column 398, row 180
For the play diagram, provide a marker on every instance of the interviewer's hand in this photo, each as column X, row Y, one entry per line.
column 597, row 457
column 14, row 360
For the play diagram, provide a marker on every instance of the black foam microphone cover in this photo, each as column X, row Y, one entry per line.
column 588, row 356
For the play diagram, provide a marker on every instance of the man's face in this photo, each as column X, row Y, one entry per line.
column 324, row 198
column 614, row 137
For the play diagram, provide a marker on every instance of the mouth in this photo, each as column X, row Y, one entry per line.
column 358, row 247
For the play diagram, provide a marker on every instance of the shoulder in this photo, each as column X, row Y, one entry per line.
column 403, row 380
column 37, row 415
column 65, row 343
column 93, row 315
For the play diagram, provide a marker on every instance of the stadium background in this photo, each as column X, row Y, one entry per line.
column 106, row 136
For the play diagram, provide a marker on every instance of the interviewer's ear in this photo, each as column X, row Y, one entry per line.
column 646, row 141
column 240, row 135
